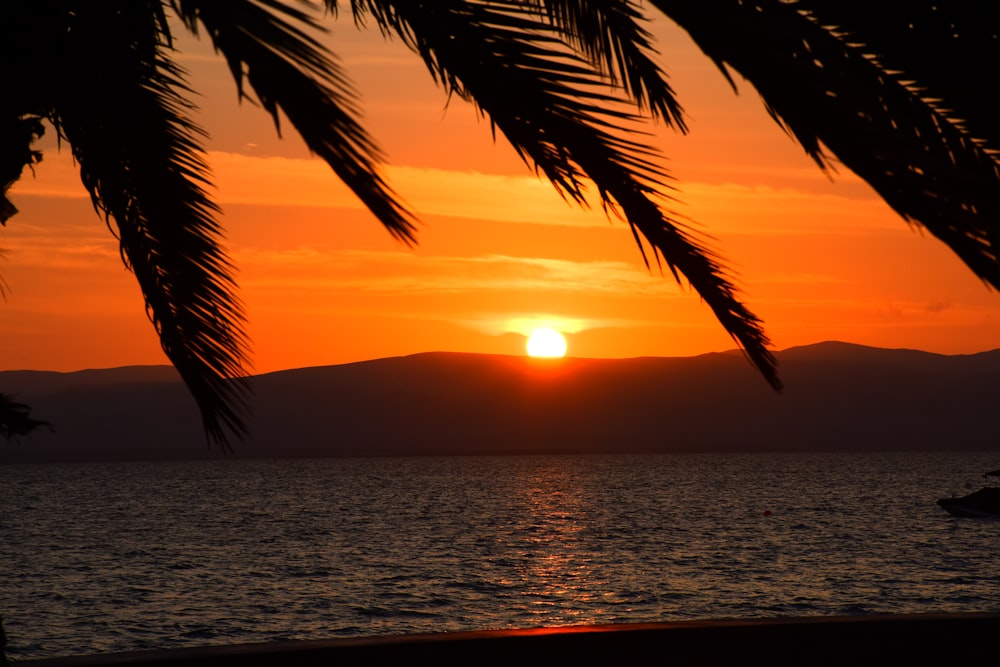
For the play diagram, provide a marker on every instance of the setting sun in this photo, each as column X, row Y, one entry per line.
column 545, row 342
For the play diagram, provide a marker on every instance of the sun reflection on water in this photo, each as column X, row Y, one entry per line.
column 319, row 549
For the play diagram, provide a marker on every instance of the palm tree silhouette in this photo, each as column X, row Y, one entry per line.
column 16, row 421
column 888, row 89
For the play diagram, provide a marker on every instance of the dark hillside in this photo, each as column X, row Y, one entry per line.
column 837, row 397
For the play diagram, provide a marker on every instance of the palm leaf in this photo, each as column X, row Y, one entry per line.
column 17, row 134
column 265, row 44
column 16, row 420
column 831, row 92
column 936, row 49
column 22, row 102
column 559, row 113
column 611, row 36
column 120, row 106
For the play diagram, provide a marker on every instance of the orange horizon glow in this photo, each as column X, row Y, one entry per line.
column 500, row 253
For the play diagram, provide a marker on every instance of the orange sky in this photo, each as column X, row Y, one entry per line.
column 499, row 250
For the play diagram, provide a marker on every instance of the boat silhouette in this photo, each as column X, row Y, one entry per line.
column 984, row 503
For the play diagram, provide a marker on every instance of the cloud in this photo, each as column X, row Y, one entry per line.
column 715, row 207
column 244, row 179
column 66, row 246
column 813, row 279
column 731, row 208
column 756, row 210
column 940, row 306
column 55, row 176
column 525, row 323
column 401, row 272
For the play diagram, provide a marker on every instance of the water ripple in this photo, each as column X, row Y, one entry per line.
column 117, row 557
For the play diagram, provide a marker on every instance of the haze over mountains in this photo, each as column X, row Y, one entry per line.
column 838, row 396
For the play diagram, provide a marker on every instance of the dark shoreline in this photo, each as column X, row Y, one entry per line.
column 919, row 639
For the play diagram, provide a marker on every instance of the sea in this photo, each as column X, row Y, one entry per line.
column 108, row 557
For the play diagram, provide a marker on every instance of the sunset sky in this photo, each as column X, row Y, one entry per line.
column 818, row 258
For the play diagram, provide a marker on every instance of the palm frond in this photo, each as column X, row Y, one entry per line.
column 18, row 133
column 16, row 419
column 936, row 49
column 831, row 93
column 120, row 106
column 610, row 35
column 266, row 44
column 558, row 112
column 22, row 103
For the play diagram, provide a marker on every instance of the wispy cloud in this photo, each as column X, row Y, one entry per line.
column 244, row 179
column 764, row 210
column 370, row 271
column 525, row 323
column 68, row 247
column 779, row 278
column 717, row 208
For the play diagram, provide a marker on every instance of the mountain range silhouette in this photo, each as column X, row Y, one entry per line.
column 838, row 397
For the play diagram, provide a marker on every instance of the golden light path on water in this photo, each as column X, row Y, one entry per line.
column 126, row 556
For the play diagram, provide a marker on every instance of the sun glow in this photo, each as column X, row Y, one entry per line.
column 546, row 342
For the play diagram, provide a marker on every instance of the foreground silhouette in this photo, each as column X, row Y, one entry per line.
column 16, row 421
column 865, row 640
column 892, row 92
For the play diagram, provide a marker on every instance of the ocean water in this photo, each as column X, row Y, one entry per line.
column 110, row 557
